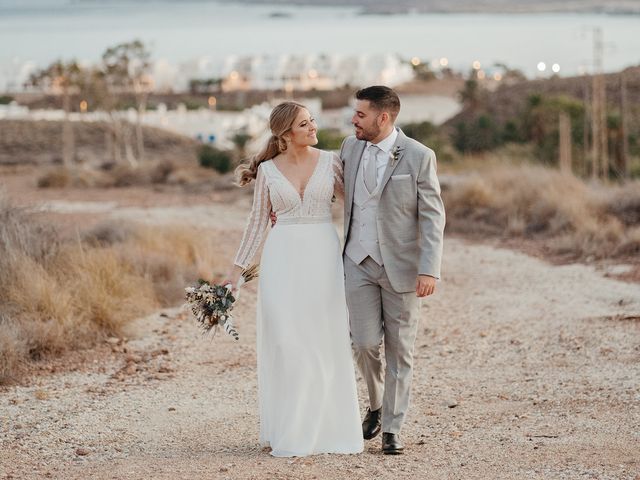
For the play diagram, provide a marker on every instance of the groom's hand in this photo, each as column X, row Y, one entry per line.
column 425, row 285
column 274, row 218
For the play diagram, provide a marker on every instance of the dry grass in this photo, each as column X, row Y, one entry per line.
column 624, row 203
column 59, row 295
column 510, row 154
column 63, row 177
column 118, row 176
column 571, row 217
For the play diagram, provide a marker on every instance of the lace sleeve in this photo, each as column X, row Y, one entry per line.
column 256, row 224
column 338, row 175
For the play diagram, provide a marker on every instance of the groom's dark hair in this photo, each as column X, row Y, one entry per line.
column 381, row 98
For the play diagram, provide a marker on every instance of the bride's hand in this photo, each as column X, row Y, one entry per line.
column 232, row 277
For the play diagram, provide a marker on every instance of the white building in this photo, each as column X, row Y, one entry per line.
column 262, row 72
column 308, row 72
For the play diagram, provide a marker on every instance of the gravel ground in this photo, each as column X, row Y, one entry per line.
column 523, row 370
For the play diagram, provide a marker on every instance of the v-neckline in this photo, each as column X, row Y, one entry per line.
column 306, row 185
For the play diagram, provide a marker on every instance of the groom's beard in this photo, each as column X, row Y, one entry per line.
column 368, row 134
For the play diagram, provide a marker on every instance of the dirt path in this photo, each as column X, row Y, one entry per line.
column 523, row 370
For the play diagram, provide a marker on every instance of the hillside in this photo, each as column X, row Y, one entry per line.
column 508, row 101
column 40, row 143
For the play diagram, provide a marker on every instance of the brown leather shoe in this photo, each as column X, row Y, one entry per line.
column 391, row 444
column 372, row 423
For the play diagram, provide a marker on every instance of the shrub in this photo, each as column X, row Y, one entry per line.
column 428, row 134
column 569, row 216
column 194, row 103
column 240, row 140
column 211, row 157
column 161, row 171
column 512, row 133
column 421, row 131
column 478, row 135
column 62, row 177
column 540, row 123
column 128, row 176
column 123, row 175
column 108, row 233
column 329, row 139
column 55, row 178
column 624, row 203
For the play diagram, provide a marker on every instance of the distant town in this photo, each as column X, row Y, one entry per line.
column 288, row 72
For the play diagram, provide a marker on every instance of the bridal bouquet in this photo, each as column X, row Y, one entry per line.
column 212, row 304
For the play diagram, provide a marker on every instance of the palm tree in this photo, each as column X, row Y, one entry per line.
column 470, row 93
column 64, row 78
column 126, row 69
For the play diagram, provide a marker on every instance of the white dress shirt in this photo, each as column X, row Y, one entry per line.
column 383, row 155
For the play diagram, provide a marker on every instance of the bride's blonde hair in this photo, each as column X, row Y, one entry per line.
column 280, row 122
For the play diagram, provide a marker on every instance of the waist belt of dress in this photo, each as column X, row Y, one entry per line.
column 300, row 220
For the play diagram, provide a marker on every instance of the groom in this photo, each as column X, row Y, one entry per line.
column 394, row 221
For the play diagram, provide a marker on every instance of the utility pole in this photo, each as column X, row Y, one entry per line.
column 624, row 121
column 599, row 147
column 565, row 143
column 585, row 126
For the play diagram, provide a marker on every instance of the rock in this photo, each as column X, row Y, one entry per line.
column 82, row 452
column 41, row 394
column 132, row 357
column 113, row 340
column 451, row 403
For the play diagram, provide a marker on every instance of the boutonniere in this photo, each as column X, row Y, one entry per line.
column 394, row 155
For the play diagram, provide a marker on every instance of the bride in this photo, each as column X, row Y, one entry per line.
column 306, row 381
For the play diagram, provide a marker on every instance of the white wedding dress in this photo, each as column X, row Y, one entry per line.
column 306, row 380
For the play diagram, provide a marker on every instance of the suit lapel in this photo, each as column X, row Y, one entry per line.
column 391, row 166
column 358, row 150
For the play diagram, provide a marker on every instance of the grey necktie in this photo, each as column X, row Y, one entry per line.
column 371, row 169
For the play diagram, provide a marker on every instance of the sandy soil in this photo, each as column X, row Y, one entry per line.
column 522, row 370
